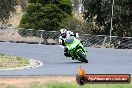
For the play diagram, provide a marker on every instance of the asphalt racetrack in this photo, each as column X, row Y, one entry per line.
column 101, row 60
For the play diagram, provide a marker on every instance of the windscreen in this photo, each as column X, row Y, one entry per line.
column 69, row 40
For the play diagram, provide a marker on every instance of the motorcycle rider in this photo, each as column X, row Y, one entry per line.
column 64, row 34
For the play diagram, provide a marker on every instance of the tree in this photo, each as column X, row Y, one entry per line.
column 123, row 18
column 46, row 14
column 99, row 12
column 6, row 9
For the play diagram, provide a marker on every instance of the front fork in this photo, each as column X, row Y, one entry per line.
column 81, row 48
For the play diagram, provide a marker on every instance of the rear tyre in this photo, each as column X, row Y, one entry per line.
column 82, row 57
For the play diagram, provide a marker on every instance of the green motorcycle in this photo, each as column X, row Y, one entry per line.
column 76, row 49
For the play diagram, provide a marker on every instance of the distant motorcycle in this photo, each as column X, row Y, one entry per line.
column 76, row 49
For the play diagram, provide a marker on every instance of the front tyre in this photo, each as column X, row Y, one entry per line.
column 82, row 57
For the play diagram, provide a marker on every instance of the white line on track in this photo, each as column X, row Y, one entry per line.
column 33, row 64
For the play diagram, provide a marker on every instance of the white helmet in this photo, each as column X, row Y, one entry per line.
column 62, row 31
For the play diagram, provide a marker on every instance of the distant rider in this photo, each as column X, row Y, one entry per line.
column 64, row 34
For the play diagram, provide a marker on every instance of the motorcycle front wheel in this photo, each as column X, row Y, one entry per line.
column 82, row 57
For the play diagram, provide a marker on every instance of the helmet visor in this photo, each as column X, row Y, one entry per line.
column 63, row 35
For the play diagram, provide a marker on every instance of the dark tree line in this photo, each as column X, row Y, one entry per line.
column 99, row 12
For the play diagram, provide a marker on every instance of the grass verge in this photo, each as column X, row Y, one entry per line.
column 7, row 61
column 69, row 85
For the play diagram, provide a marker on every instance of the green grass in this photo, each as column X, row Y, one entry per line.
column 1, row 54
column 73, row 85
column 7, row 61
column 10, row 86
